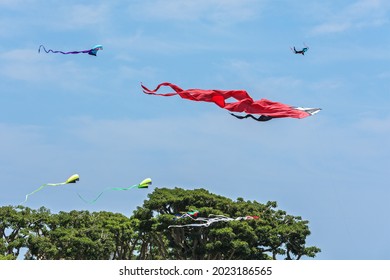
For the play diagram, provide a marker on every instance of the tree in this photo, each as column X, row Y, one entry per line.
column 15, row 224
column 274, row 235
column 81, row 235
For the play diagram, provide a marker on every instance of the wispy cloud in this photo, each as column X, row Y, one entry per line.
column 216, row 11
column 28, row 66
column 22, row 145
column 14, row 3
column 361, row 14
column 23, row 65
column 22, row 17
column 82, row 16
column 376, row 125
column 384, row 75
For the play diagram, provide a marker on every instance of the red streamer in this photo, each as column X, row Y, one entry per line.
column 244, row 102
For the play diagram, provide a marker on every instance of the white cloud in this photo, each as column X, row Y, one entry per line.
column 15, row 3
column 83, row 16
column 143, row 43
column 260, row 79
column 29, row 66
column 332, row 27
column 23, row 65
column 216, row 11
column 361, row 14
column 384, row 75
column 24, row 147
column 377, row 126
column 21, row 17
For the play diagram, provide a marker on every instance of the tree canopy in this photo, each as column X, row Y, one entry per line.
column 82, row 235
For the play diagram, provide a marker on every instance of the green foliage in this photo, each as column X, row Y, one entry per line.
column 15, row 225
column 274, row 235
column 104, row 235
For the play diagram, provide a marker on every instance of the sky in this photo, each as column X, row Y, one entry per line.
column 66, row 114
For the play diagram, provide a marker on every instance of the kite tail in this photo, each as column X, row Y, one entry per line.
column 153, row 92
column 240, row 117
column 38, row 189
column 72, row 52
column 109, row 189
column 41, row 187
column 186, row 94
column 50, row 50
column 42, row 46
column 90, row 201
column 261, row 118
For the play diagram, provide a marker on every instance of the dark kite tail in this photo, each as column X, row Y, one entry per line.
column 261, row 118
column 72, row 52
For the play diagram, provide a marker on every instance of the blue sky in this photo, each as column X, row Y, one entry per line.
column 65, row 114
